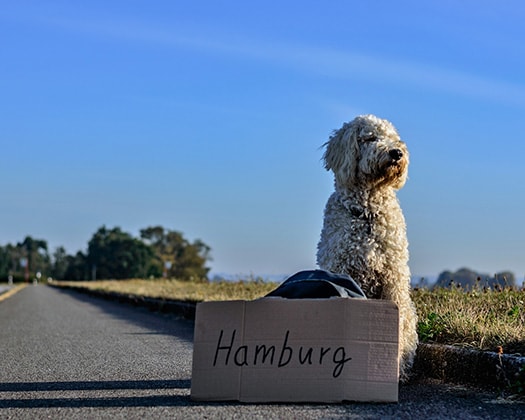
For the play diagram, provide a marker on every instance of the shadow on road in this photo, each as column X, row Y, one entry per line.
column 170, row 323
column 150, row 401
column 93, row 385
column 163, row 397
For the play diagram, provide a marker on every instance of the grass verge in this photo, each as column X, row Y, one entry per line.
column 180, row 290
column 480, row 319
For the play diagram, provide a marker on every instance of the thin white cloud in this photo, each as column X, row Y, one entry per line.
column 343, row 64
column 350, row 65
column 328, row 62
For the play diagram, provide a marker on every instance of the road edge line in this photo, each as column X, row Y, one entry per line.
column 12, row 291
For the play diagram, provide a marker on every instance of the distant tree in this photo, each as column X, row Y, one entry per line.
column 114, row 254
column 469, row 279
column 76, row 267
column 60, row 263
column 175, row 256
column 10, row 256
column 13, row 259
column 35, row 250
column 503, row 279
column 111, row 254
column 5, row 263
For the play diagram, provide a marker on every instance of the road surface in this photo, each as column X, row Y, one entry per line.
column 67, row 355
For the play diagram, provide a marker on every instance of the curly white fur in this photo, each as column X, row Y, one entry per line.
column 364, row 231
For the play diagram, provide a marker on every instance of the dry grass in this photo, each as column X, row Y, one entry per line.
column 181, row 290
column 482, row 319
column 479, row 319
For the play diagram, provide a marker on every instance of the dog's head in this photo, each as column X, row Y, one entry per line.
column 367, row 152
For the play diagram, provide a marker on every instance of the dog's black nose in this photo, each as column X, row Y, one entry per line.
column 396, row 154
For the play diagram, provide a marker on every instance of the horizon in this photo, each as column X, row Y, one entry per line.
column 431, row 278
column 415, row 279
column 209, row 119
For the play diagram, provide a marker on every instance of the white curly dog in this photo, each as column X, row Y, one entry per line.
column 364, row 231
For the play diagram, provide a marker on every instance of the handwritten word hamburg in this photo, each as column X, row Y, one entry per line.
column 263, row 354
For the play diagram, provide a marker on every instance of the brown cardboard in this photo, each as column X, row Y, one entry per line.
column 296, row 350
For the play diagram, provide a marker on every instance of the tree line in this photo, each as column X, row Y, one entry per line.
column 111, row 254
column 470, row 279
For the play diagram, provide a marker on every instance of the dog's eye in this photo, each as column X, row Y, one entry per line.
column 370, row 138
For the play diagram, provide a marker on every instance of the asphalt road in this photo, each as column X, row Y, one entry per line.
column 67, row 355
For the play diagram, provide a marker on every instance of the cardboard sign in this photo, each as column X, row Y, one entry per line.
column 300, row 350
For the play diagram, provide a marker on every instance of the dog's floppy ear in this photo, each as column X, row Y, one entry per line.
column 342, row 154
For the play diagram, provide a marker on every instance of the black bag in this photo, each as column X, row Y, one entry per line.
column 318, row 284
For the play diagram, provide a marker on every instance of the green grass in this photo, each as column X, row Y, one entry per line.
column 480, row 319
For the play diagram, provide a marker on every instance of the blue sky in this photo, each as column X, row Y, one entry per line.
column 207, row 117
